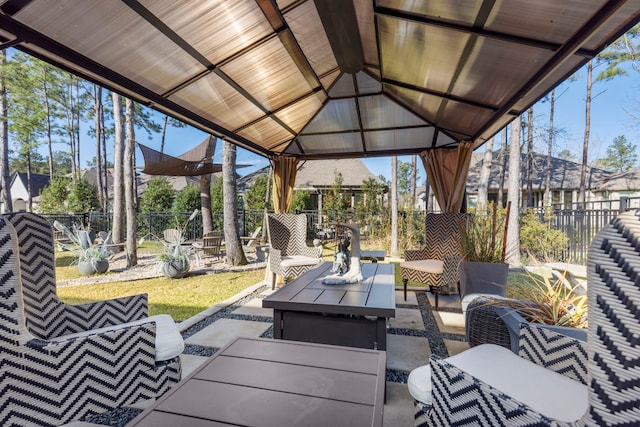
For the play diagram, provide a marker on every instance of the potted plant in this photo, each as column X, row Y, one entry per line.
column 482, row 269
column 91, row 258
column 543, row 302
column 175, row 259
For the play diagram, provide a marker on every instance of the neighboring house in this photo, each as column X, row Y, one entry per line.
column 19, row 190
column 624, row 184
column 318, row 177
column 565, row 180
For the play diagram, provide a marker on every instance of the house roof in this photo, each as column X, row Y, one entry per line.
column 624, row 181
column 38, row 182
column 320, row 174
column 325, row 78
column 565, row 173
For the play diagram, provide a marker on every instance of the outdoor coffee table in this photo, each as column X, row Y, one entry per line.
column 353, row 315
column 264, row 382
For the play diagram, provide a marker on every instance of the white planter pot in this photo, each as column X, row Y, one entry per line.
column 87, row 268
column 175, row 270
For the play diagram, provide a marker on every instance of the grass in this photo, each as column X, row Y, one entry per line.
column 181, row 298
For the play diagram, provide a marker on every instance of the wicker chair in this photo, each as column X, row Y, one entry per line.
column 60, row 362
column 554, row 380
column 436, row 265
column 483, row 324
column 289, row 255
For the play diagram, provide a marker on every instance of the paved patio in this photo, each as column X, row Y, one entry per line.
column 413, row 335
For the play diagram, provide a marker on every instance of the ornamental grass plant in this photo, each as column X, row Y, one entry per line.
column 543, row 299
column 483, row 240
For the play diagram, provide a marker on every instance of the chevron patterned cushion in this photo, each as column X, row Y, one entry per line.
column 169, row 342
column 433, row 266
column 551, row 394
column 298, row 260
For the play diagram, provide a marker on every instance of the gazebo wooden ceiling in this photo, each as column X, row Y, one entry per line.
column 324, row 78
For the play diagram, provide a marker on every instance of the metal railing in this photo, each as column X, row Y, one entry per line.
column 579, row 225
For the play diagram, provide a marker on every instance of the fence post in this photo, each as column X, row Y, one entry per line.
column 624, row 203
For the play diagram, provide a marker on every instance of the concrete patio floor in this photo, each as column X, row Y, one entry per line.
column 410, row 340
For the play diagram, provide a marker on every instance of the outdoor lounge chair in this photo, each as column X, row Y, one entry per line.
column 289, row 255
column 436, row 265
column 212, row 244
column 172, row 236
column 60, row 362
column 555, row 379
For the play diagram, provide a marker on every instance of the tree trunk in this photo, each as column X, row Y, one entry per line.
column 129, row 178
column 585, row 149
column 47, row 107
column 29, row 181
column 205, row 192
column 97, row 111
column 164, row 133
column 483, row 183
column 7, row 203
column 118, row 223
column 394, row 206
column 235, row 254
column 530, row 159
column 414, row 172
column 513, row 196
column 105, row 169
column 502, row 162
column 547, row 172
column 70, row 133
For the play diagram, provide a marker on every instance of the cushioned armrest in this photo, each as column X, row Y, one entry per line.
column 134, row 343
column 555, row 350
column 167, row 338
column 110, row 312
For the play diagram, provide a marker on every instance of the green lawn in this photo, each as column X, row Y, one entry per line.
column 181, row 298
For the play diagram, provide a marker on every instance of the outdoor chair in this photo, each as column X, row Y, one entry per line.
column 436, row 264
column 289, row 255
column 212, row 244
column 554, row 379
column 172, row 236
column 61, row 362
column 249, row 242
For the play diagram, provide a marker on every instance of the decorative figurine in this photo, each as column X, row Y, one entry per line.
column 346, row 266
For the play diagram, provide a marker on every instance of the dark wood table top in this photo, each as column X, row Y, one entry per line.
column 264, row 382
column 374, row 296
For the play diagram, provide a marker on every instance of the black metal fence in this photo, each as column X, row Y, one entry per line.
column 581, row 222
column 579, row 225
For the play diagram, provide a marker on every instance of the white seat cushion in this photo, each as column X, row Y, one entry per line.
column 549, row 393
column 169, row 342
column 434, row 266
column 297, row 260
column 470, row 297
column 419, row 384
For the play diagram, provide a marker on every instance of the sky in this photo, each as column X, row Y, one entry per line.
column 612, row 103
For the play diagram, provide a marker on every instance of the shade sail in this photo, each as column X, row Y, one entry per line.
column 325, row 78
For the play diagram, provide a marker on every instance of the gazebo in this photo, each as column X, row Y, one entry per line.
column 317, row 79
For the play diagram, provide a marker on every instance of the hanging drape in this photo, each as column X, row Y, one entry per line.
column 284, row 178
column 447, row 170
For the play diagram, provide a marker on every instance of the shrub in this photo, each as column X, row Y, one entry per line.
column 539, row 239
column 158, row 196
